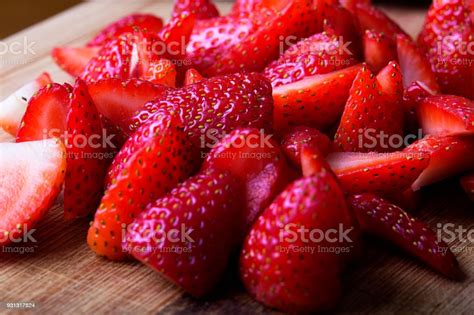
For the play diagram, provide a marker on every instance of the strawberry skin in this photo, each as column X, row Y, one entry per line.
column 319, row 54
column 316, row 101
column 213, row 107
column 298, row 281
column 449, row 156
column 203, row 9
column 446, row 115
column 208, row 206
column 162, row 72
column 128, row 24
column 467, row 183
column 45, row 116
column 87, row 155
column 150, row 164
column 256, row 160
column 383, row 219
column 447, row 30
column 31, row 178
column 374, row 107
column 298, row 137
column 192, row 76
column 74, row 60
column 379, row 173
column 13, row 107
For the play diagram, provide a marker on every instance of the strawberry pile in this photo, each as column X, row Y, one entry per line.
column 280, row 133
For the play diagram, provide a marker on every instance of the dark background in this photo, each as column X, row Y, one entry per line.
column 15, row 15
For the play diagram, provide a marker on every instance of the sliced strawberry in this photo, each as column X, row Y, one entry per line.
column 203, row 9
column 316, row 101
column 87, row 155
column 379, row 50
column 415, row 67
column 313, row 162
column 13, row 107
column 380, row 173
column 351, row 4
column 188, row 235
column 298, row 137
column 150, row 164
column 449, row 156
column 408, row 199
column 412, row 96
column 284, row 263
column 45, row 115
column 383, row 219
column 372, row 18
column 215, row 49
column 447, row 37
column 192, row 76
column 373, row 112
column 176, row 35
column 213, row 107
column 446, row 115
column 162, row 72
column 128, row 24
column 319, row 54
column 257, row 161
column 119, row 100
column 114, row 60
column 31, row 178
column 467, row 183
column 74, row 60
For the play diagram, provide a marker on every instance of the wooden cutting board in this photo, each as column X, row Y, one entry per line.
column 61, row 275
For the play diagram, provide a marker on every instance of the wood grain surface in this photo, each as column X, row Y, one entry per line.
column 60, row 275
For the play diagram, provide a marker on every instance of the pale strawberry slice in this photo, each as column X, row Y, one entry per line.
column 131, row 23
column 379, row 173
column 379, row 50
column 415, row 66
column 13, row 107
column 467, row 183
column 373, row 112
column 316, row 101
column 383, row 219
column 162, row 72
column 449, row 156
column 31, row 177
column 189, row 235
column 87, row 155
column 298, row 137
column 118, row 100
column 45, row 115
column 192, row 76
column 149, row 165
column 74, row 60
column 446, row 115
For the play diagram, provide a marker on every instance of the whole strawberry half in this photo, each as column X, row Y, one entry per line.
column 45, row 116
column 203, row 9
column 149, row 165
column 446, row 115
column 383, row 219
column 74, row 60
column 379, row 173
column 188, row 235
column 449, row 156
column 128, row 24
column 447, row 34
column 319, row 54
column 213, row 107
column 31, row 177
column 14, row 106
column 88, row 154
column 286, row 262
column 256, row 160
column 373, row 112
column 316, row 101
column 248, row 41
column 467, row 183
column 298, row 137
